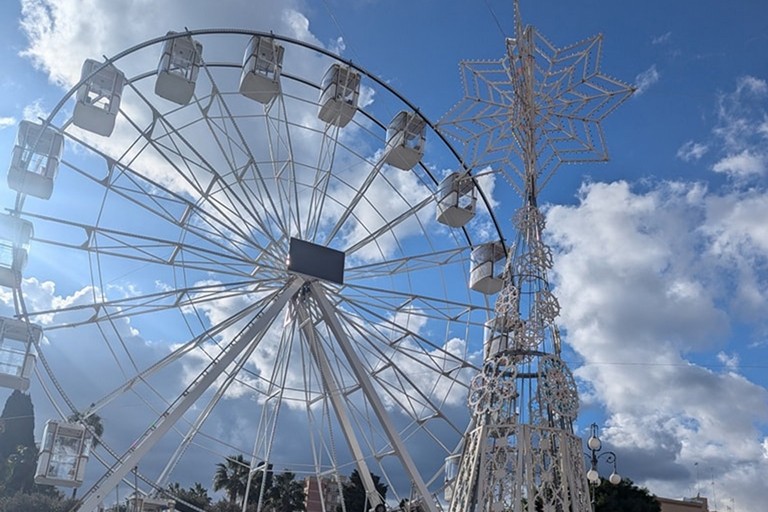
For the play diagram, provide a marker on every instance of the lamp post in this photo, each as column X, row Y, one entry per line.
column 595, row 445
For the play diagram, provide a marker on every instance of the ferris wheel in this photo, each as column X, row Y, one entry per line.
column 269, row 255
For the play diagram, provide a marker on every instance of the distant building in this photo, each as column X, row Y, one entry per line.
column 697, row 504
column 322, row 491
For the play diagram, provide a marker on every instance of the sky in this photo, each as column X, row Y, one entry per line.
column 660, row 253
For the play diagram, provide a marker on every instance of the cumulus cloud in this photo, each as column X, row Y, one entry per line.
column 743, row 165
column 641, row 281
column 646, row 79
column 6, row 122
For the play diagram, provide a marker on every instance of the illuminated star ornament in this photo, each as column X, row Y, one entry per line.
column 534, row 109
column 523, row 116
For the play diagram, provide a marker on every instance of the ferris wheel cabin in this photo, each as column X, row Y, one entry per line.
column 178, row 69
column 262, row 65
column 340, row 91
column 64, row 454
column 146, row 504
column 16, row 357
column 456, row 200
column 14, row 248
column 405, row 140
column 35, row 159
column 98, row 98
column 487, row 267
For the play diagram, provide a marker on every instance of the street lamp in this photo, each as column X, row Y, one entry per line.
column 595, row 445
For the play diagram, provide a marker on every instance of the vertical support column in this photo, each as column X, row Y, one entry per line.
column 253, row 332
column 329, row 315
column 337, row 401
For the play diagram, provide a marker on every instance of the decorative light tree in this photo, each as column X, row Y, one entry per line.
column 522, row 116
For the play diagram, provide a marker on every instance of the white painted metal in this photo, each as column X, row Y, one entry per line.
column 178, row 68
column 15, row 234
column 35, row 159
column 252, row 334
column 487, row 265
column 331, row 318
column 405, row 140
column 456, row 200
column 63, row 454
column 191, row 217
column 522, row 454
column 262, row 65
column 339, row 92
column 98, row 98
column 17, row 359
column 337, row 399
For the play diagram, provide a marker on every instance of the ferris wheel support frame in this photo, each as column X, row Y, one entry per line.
column 363, row 379
column 252, row 333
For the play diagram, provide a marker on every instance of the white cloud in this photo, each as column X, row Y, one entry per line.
column 731, row 362
column 641, row 278
column 646, row 79
column 6, row 122
column 662, row 39
column 35, row 111
column 743, row 165
column 753, row 85
column 692, row 151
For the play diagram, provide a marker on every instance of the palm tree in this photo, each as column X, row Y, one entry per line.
column 197, row 496
column 94, row 425
column 260, row 479
column 286, row 494
column 231, row 476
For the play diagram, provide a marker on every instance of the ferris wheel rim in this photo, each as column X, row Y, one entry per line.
column 149, row 43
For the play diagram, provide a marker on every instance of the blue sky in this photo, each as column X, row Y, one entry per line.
column 660, row 253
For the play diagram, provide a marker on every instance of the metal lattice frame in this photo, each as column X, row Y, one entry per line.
column 523, row 116
column 199, row 202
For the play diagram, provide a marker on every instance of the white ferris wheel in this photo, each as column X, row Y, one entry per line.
column 265, row 255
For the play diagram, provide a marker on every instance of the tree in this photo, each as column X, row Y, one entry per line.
column 95, row 426
column 197, row 496
column 355, row 497
column 231, row 477
column 18, row 451
column 35, row 502
column 286, row 494
column 625, row 496
column 92, row 422
column 258, row 480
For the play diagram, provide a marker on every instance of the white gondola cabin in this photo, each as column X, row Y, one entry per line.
column 17, row 359
column 178, row 69
column 451, row 472
column 15, row 234
column 405, row 140
column 145, row 504
column 35, row 159
column 64, row 454
column 339, row 93
column 262, row 65
column 487, row 267
column 98, row 98
column 456, row 200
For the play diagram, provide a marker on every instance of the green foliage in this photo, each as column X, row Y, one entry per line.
column 35, row 502
column 93, row 422
column 355, row 498
column 625, row 497
column 231, row 477
column 18, row 451
column 286, row 494
column 197, row 496
column 18, row 420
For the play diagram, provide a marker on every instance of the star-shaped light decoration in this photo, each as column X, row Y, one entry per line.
column 534, row 109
